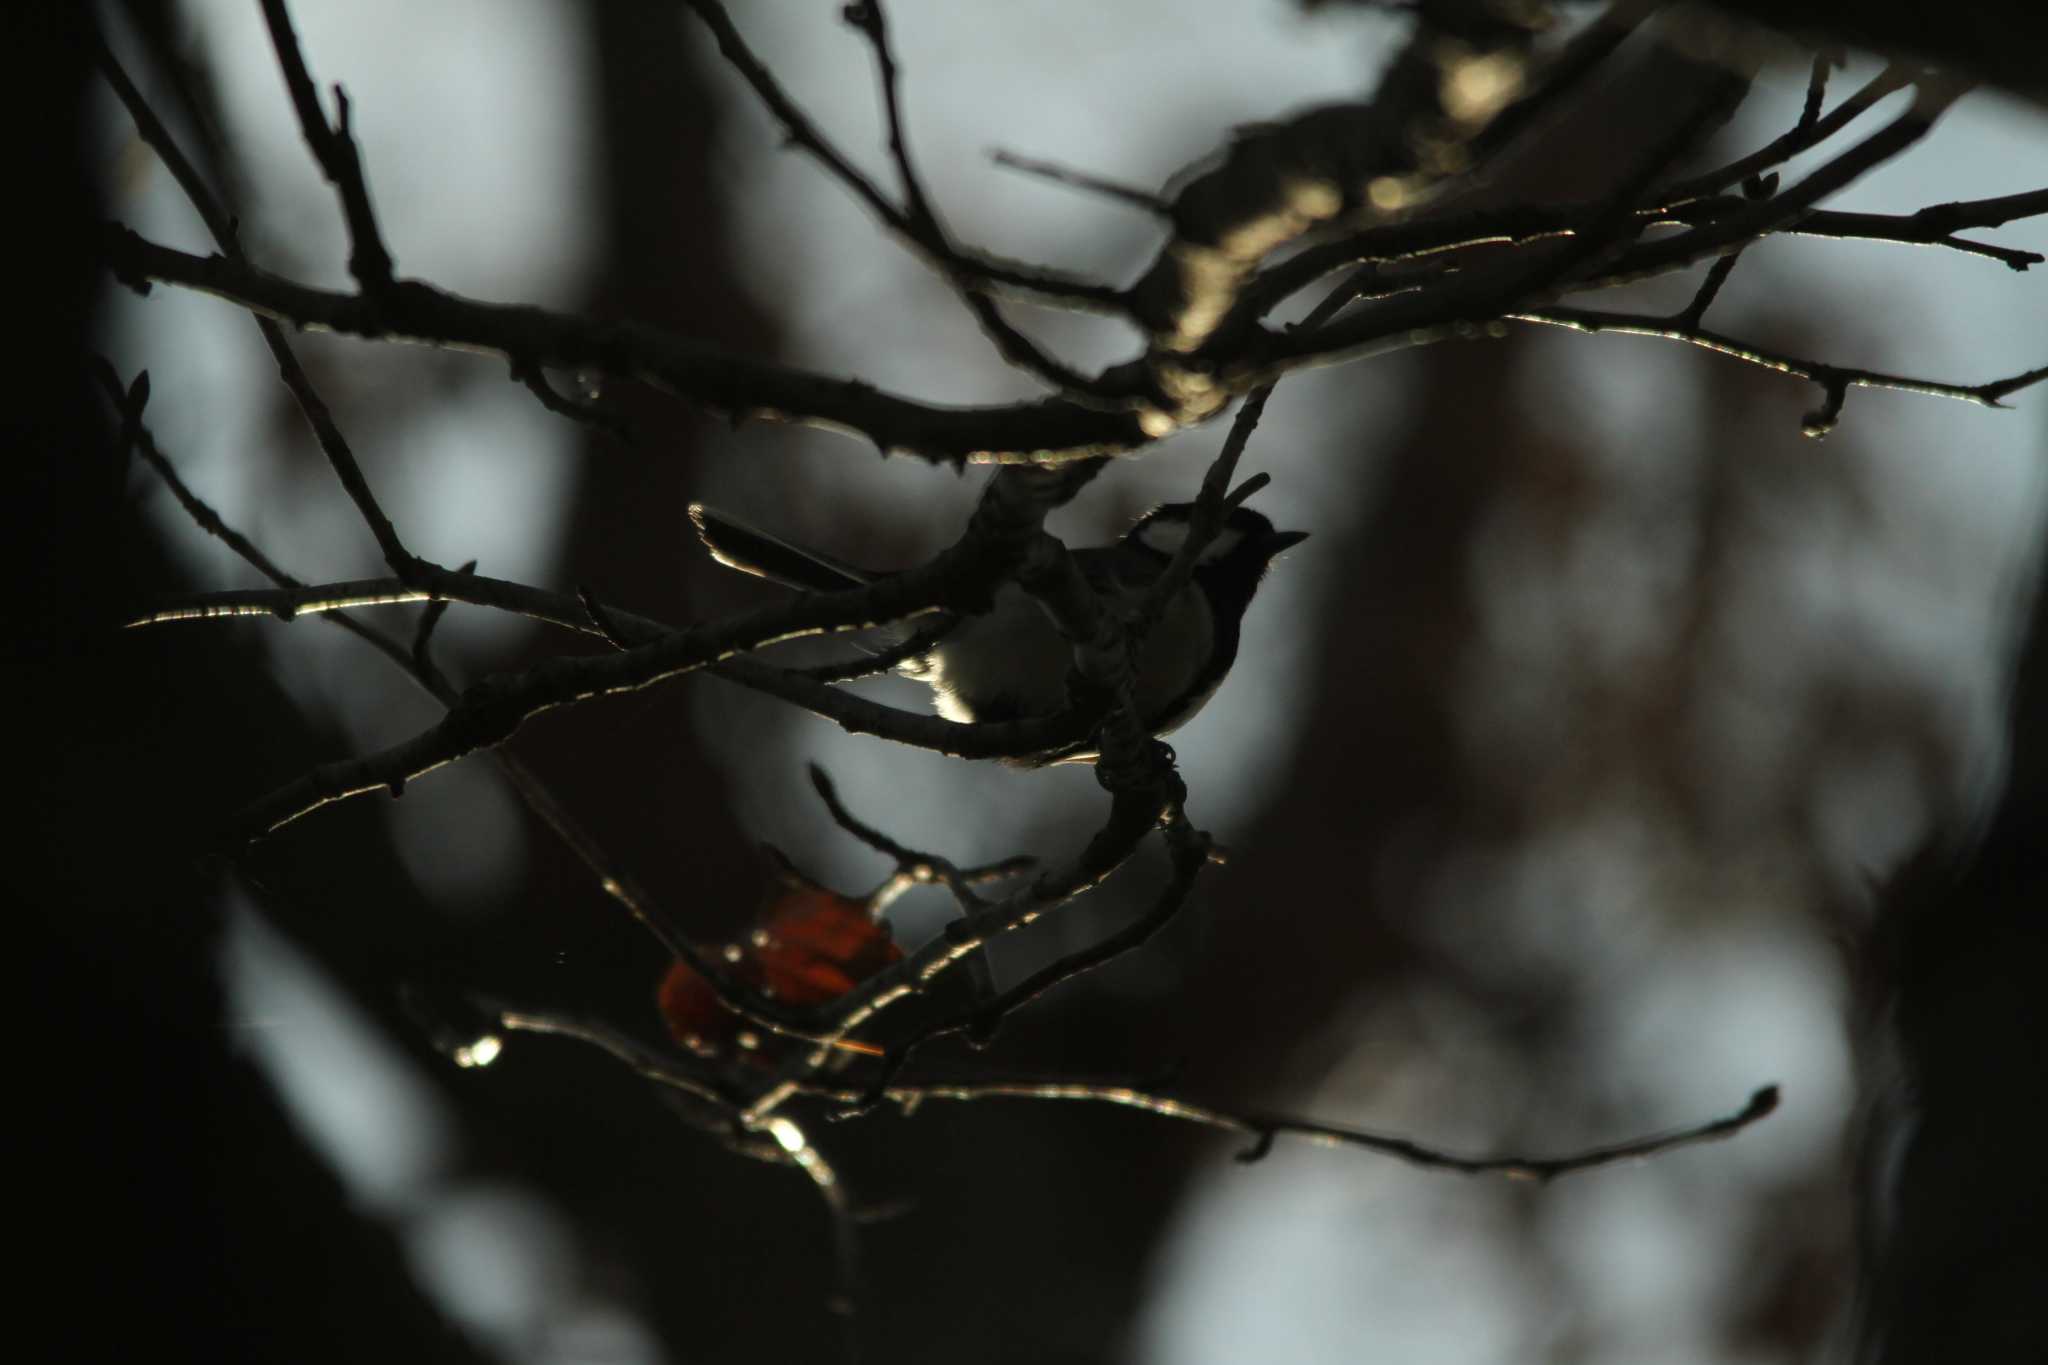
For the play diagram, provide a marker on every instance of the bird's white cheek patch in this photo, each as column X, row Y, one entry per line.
column 1163, row 537
column 1226, row 541
column 1166, row 537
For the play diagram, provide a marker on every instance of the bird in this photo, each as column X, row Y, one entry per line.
column 1012, row 663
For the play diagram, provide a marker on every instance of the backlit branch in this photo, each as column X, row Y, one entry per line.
column 731, row 386
column 1262, row 1128
column 1057, row 429
column 1835, row 380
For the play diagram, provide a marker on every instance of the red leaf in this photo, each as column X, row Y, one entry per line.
column 812, row 946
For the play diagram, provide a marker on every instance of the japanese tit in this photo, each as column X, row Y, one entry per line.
column 1012, row 662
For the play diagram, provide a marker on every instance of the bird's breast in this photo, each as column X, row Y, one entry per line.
column 1013, row 662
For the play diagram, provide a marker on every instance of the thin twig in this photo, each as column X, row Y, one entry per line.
column 1802, row 137
column 803, row 133
column 1816, row 90
column 1083, row 180
column 1264, row 1128
column 206, row 519
column 334, row 148
column 921, row 869
column 910, row 863
column 929, row 231
column 1689, row 317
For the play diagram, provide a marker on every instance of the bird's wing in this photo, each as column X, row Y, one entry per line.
column 737, row 545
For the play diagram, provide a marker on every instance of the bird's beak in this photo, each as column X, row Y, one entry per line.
column 1283, row 540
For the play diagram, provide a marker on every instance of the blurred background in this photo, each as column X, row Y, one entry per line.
column 1557, row 769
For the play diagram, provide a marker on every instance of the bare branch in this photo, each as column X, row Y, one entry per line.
column 762, row 1013
column 1045, row 430
column 153, row 133
column 1056, row 429
column 1262, row 1128
column 1835, row 380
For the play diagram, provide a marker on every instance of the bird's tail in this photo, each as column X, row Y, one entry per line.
column 740, row 546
